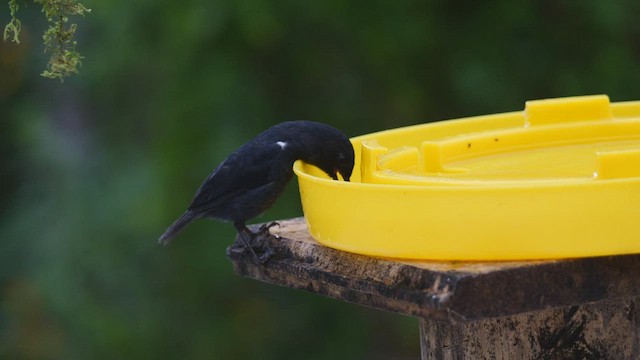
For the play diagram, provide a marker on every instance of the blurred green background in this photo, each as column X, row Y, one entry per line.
column 95, row 168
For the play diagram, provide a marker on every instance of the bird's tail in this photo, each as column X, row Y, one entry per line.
column 176, row 227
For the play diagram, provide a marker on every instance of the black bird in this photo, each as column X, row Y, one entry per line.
column 250, row 180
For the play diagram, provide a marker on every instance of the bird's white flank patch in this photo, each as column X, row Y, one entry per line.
column 282, row 144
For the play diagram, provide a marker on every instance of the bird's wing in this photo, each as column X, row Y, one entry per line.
column 247, row 169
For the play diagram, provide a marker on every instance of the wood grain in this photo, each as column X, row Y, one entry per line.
column 450, row 292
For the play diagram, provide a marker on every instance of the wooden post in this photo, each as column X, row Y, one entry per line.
column 557, row 309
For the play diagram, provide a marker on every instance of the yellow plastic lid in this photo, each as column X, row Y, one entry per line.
column 559, row 179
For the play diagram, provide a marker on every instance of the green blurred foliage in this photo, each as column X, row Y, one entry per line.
column 94, row 169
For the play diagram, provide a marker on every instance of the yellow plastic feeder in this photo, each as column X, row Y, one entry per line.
column 559, row 179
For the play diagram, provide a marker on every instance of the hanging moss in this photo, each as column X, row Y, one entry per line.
column 12, row 30
column 58, row 37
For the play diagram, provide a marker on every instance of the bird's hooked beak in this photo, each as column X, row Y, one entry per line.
column 344, row 175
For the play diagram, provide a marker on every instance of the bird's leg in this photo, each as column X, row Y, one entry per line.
column 264, row 229
column 246, row 235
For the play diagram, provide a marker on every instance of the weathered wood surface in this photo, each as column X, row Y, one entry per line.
column 608, row 329
column 449, row 292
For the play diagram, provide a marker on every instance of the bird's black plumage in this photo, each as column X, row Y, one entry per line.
column 249, row 181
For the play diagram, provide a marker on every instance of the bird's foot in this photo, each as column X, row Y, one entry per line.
column 264, row 257
column 264, row 229
column 259, row 259
column 248, row 237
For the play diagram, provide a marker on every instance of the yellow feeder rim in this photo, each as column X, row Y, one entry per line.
column 559, row 179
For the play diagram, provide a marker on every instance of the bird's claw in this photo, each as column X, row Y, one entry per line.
column 265, row 257
column 257, row 259
column 264, row 229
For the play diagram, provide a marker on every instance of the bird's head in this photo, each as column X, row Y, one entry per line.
column 335, row 157
column 325, row 147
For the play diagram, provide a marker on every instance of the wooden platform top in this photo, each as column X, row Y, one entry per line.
column 442, row 291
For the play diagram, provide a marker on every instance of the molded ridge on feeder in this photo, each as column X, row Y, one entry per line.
column 559, row 179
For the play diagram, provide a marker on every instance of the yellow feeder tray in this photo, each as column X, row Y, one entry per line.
column 560, row 179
